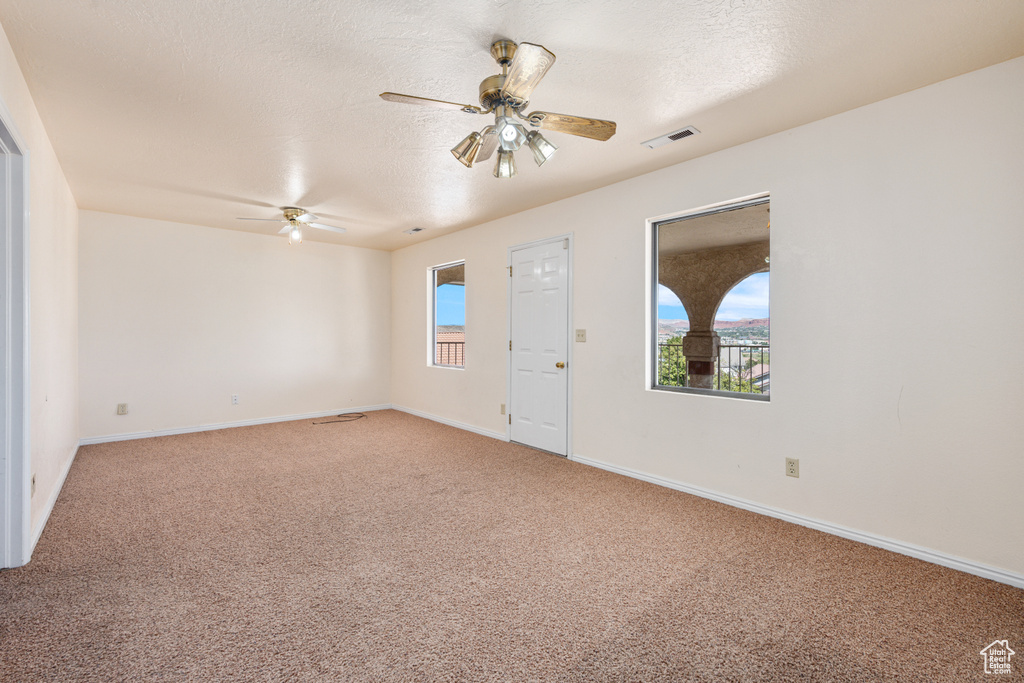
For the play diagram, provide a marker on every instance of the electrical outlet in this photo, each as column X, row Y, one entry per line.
column 792, row 467
column 122, row 408
column 234, row 399
column 581, row 335
column 502, row 408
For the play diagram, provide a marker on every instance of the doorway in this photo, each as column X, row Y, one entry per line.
column 539, row 364
column 15, row 494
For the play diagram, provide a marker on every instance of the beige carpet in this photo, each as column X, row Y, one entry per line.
column 396, row 549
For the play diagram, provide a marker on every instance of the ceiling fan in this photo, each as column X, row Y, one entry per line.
column 506, row 95
column 296, row 220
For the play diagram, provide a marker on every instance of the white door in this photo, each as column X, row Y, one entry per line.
column 539, row 376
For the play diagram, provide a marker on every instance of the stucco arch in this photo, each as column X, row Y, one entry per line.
column 732, row 287
column 702, row 279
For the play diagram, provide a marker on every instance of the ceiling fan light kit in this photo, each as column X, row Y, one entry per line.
column 506, row 95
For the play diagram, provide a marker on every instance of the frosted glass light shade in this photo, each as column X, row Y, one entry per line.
column 506, row 166
column 540, row 146
column 466, row 150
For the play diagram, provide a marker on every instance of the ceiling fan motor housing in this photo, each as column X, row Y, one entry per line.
column 490, row 91
column 293, row 212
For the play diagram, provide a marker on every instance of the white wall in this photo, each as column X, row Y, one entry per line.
column 897, row 233
column 177, row 318
column 53, row 292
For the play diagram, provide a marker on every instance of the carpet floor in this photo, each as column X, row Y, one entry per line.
column 393, row 548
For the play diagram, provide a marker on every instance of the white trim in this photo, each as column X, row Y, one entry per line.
column 432, row 322
column 508, row 354
column 15, row 451
column 651, row 308
column 227, row 425
column 570, row 336
column 44, row 516
column 921, row 553
column 452, row 423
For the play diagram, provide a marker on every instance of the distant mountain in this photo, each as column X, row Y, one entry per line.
column 677, row 325
column 745, row 322
column 730, row 331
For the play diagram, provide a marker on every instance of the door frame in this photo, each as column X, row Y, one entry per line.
column 569, row 338
column 16, row 465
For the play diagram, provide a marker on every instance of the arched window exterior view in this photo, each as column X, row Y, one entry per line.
column 711, row 301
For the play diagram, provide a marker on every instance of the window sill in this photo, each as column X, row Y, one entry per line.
column 743, row 396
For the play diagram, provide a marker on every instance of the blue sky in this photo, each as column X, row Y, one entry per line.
column 748, row 299
column 451, row 305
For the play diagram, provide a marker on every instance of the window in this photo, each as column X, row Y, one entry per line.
column 448, row 315
column 710, row 301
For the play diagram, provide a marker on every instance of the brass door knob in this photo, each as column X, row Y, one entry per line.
column 559, row 365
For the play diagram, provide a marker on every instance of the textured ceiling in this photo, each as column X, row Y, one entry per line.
column 200, row 112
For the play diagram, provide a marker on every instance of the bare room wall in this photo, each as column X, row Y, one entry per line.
column 175, row 319
column 53, row 293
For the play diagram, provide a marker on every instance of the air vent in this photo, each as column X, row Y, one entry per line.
column 413, row 231
column 671, row 137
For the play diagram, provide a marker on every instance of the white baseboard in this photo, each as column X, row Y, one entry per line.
column 500, row 436
column 916, row 551
column 51, row 501
column 227, row 425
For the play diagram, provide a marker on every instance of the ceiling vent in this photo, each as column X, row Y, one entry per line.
column 671, row 137
column 413, row 231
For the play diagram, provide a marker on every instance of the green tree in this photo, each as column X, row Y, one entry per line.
column 755, row 358
column 671, row 363
column 741, row 384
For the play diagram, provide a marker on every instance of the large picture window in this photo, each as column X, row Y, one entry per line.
column 448, row 315
column 710, row 300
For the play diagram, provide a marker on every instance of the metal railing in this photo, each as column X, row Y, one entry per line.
column 671, row 365
column 450, row 353
column 741, row 368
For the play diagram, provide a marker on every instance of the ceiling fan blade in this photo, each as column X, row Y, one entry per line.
column 271, row 220
column 321, row 226
column 440, row 104
column 306, row 217
column 285, row 230
column 488, row 144
column 528, row 67
column 596, row 129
